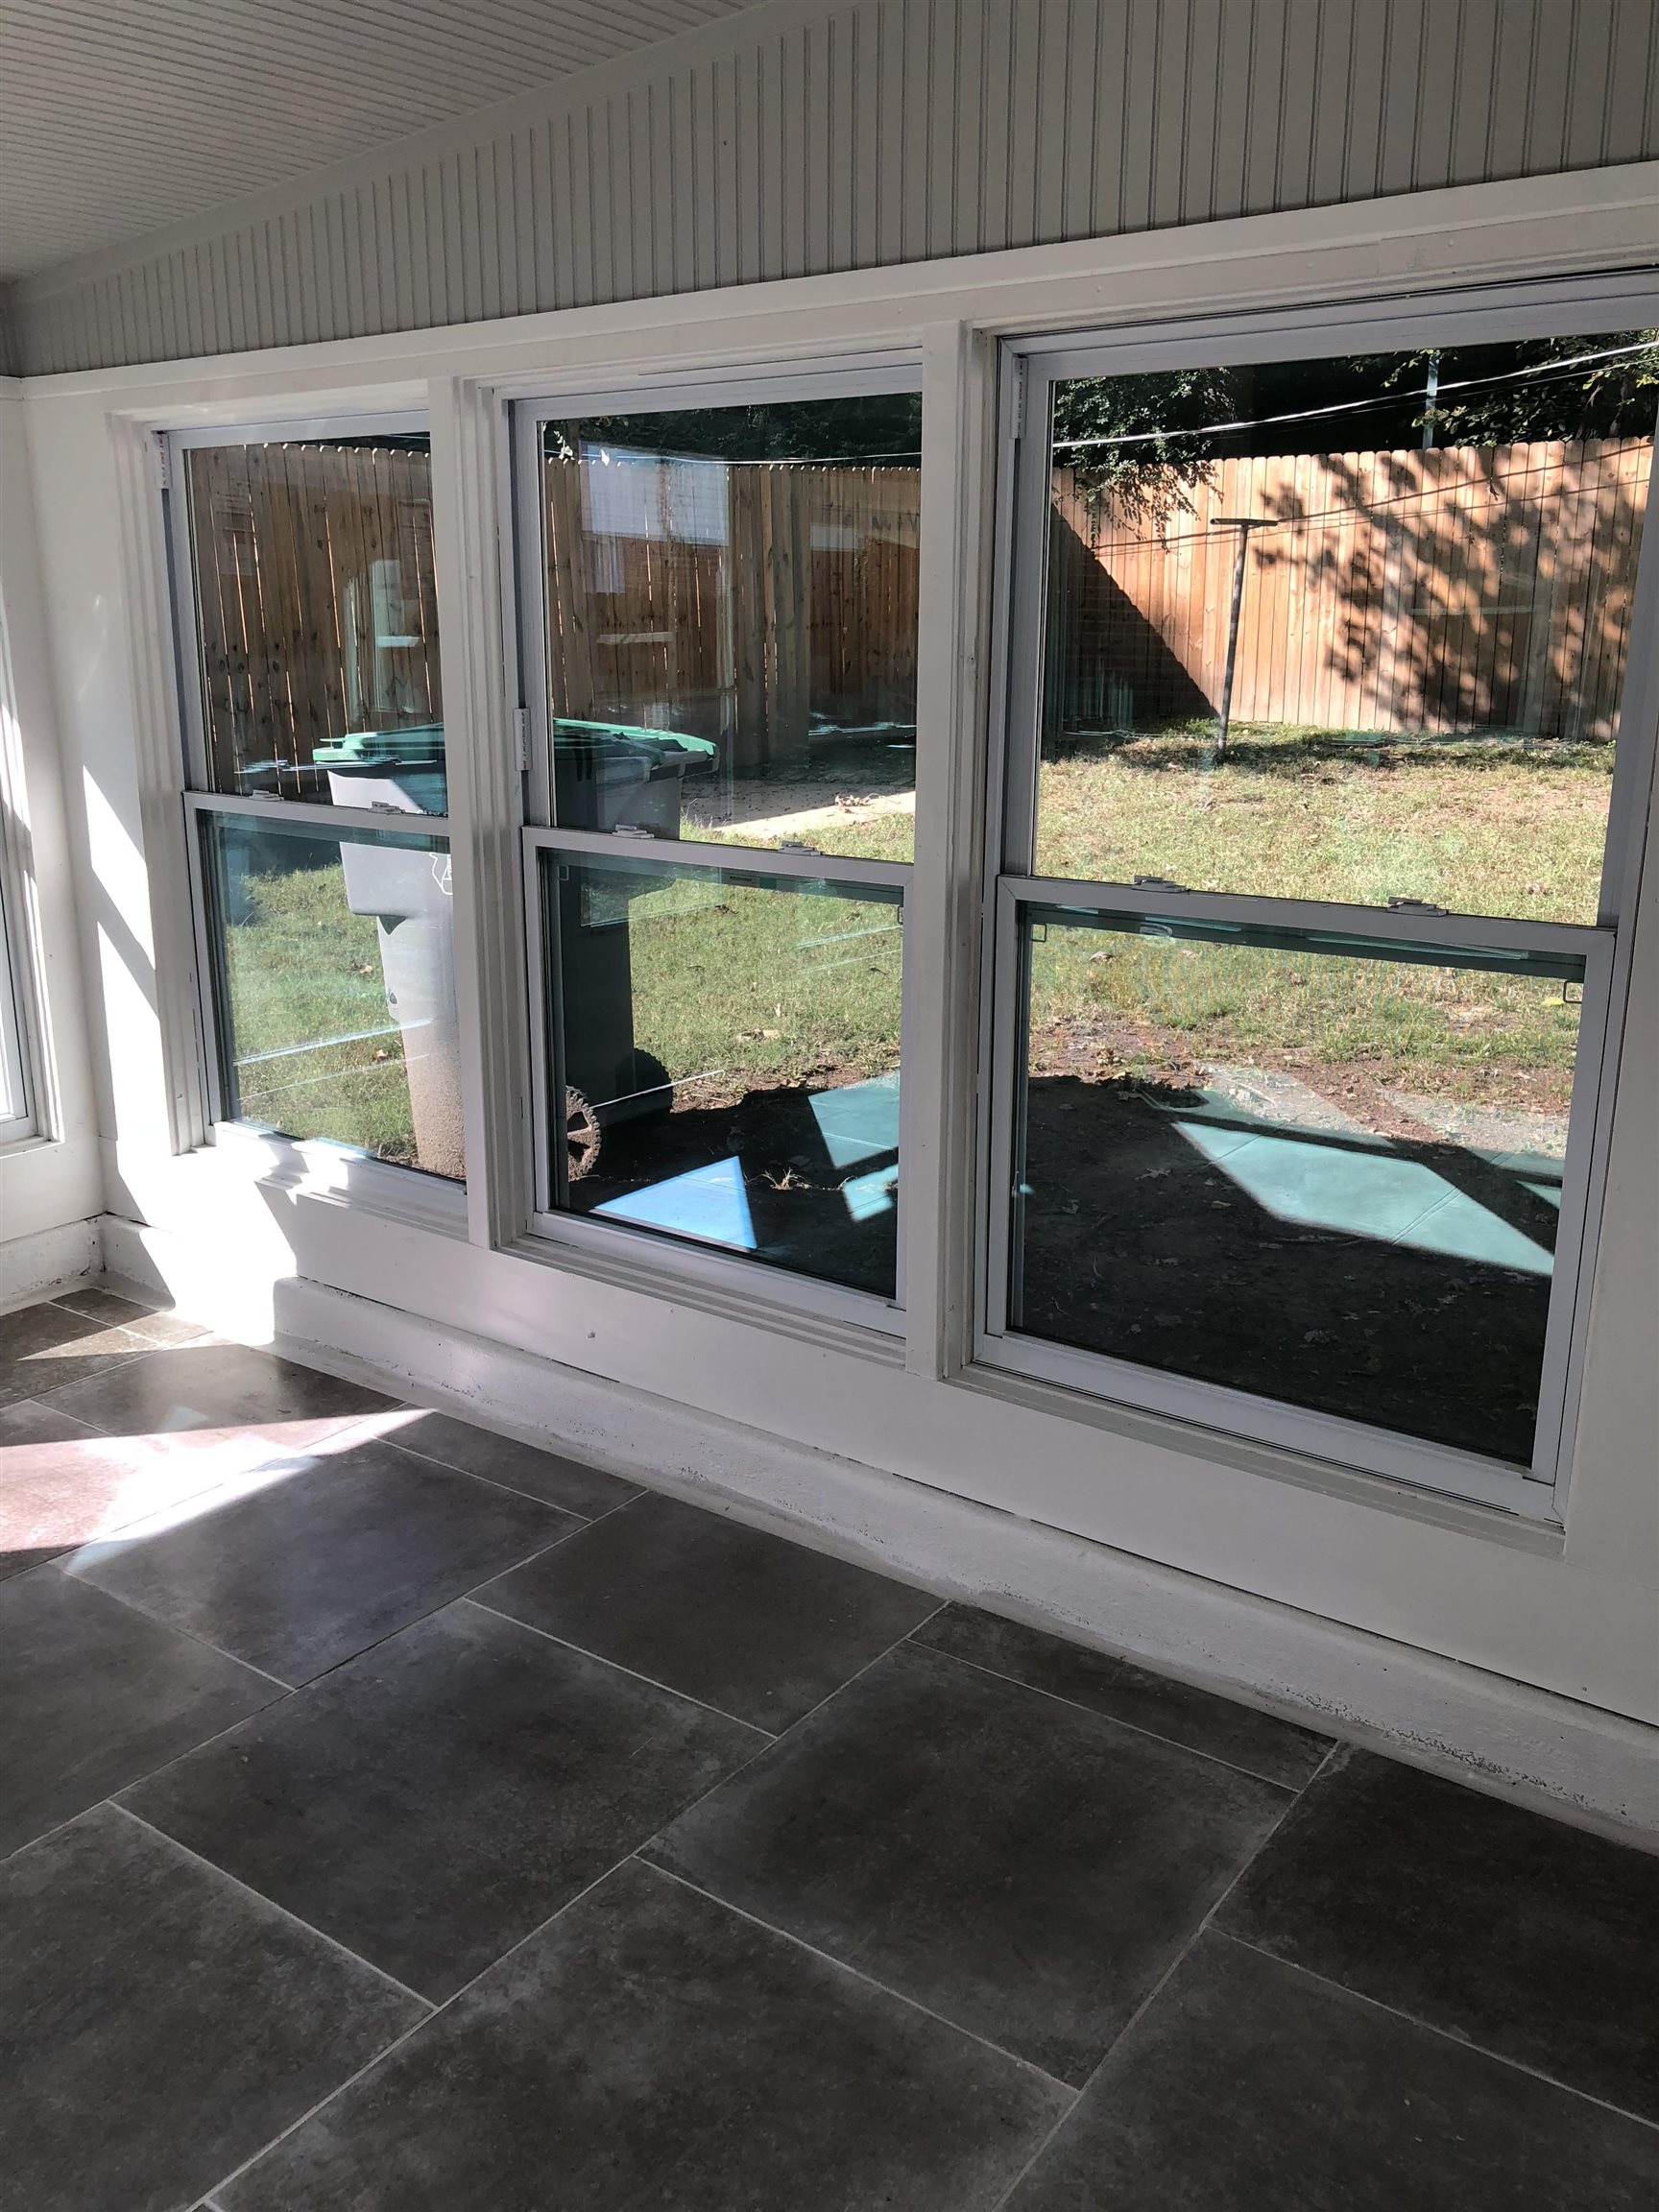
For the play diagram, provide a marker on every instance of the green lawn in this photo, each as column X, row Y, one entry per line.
column 1481, row 824
column 779, row 987
column 302, row 971
column 751, row 988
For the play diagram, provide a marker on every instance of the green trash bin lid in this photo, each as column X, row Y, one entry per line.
column 660, row 740
column 370, row 748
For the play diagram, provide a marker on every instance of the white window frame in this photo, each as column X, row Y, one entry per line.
column 411, row 1193
column 661, row 1261
column 1030, row 368
column 20, row 995
column 17, row 1088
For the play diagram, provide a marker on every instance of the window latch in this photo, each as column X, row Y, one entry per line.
column 1415, row 907
column 632, row 830
column 1156, row 883
column 795, row 845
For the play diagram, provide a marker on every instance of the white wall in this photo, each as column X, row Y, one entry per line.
column 1571, row 1613
column 51, row 1185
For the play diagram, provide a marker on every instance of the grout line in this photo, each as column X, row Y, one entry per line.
column 1151, row 1997
column 1432, row 2028
column 651, row 1681
column 248, row 1890
column 415, row 2029
column 591, row 1520
column 800, row 1721
column 860, row 1973
column 1135, row 1727
column 156, row 1620
column 293, row 1688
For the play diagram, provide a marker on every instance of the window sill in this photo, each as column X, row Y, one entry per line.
column 332, row 1175
column 821, row 1316
column 1539, row 1533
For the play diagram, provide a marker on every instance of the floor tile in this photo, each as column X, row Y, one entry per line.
column 1020, row 1866
column 295, row 1571
column 212, row 1386
column 587, row 1491
column 45, row 1348
column 650, row 2049
column 92, row 1696
column 64, row 1484
column 761, row 1628
column 1248, row 2085
column 154, row 1323
column 158, row 2026
column 1277, row 1751
column 26, row 1421
column 1531, row 1938
column 440, row 1797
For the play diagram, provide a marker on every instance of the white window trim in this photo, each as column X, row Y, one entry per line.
column 344, row 1173
column 774, row 1291
column 1030, row 370
column 1534, row 236
column 23, row 1064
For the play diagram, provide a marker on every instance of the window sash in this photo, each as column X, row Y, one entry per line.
column 747, row 1278
column 1030, row 368
column 200, row 806
column 820, row 379
column 1217, row 1407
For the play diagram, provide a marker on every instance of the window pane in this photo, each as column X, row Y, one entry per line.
column 732, row 622
column 1314, row 1168
column 316, row 620
column 730, row 1048
column 13, row 1081
column 1350, row 629
column 335, row 986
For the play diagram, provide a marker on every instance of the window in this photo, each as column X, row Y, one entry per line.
column 315, row 721
column 720, row 656
column 1305, row 921
column 16, row 1119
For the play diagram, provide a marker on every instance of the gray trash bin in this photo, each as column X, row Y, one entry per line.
column 408, row 892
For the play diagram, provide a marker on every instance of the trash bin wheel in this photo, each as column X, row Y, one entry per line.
column 581, row 1134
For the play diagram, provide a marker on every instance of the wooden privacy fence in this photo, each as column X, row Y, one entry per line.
column 1453, row 589
column 793, row 608
column 317, row 605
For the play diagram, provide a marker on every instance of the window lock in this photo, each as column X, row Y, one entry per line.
column 1415, row 907
column 1156, row 883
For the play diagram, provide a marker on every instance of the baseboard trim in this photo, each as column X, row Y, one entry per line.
column 1576, row 1762
column 49, row 1259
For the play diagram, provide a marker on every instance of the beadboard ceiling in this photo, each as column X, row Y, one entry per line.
column 118, row 117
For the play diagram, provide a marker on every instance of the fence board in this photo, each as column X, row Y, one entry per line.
column 1453, row 589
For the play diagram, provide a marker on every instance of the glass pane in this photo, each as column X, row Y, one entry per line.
column 732, row 622
column 316, row 620
column 335, row 985
column 1350, row 629
column 729, row 1053
column 13, row 1084
column 1314, row 1168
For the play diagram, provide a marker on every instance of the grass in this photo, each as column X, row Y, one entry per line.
column 1478, row 824
column 770, row 988
column 301, row 967
column 750, row 989
column 1487, row 825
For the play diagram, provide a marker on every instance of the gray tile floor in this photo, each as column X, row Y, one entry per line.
column 403, row 1820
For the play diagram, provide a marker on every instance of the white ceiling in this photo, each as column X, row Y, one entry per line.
column 118, row 117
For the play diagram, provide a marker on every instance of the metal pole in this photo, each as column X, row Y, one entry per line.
column 1243, row 524
column 1431, row 393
